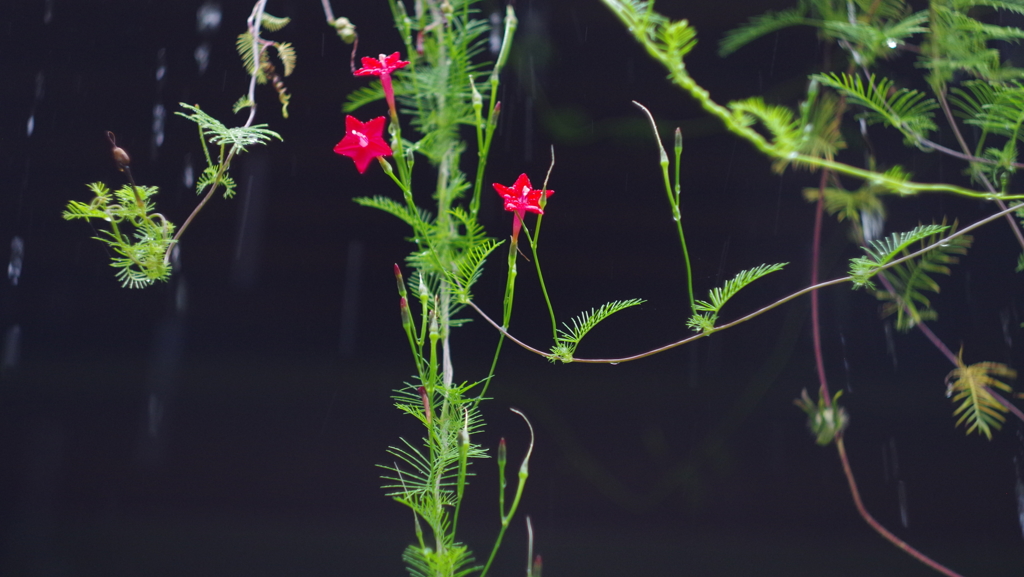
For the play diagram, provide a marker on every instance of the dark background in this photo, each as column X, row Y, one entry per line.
column 230, row 422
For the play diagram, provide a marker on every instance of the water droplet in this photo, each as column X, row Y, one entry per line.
column 202, row 56
column 891, row 43
column 17, row 256
column 159, row 116
column 40, row 85
column 30, row 126
column 494, row 42
column 161, row 64
column 188, row 177
column 901, row 489
column 208, row 18
column 12, row 348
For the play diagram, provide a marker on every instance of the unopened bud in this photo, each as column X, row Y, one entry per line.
column 502, row 453
column 345, row 29
column 478, row 100
column 121, row 158
column 426, row 403
column 401, row 282
column 406, row 315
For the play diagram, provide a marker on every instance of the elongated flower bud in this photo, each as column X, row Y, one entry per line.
column 406, row 315
column 426, row 403
column 401, row 281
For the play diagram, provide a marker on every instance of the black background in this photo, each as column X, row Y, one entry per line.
column 230, row 422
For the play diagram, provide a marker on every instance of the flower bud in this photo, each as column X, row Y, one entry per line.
column 345, row 29
column 400, row 281
column 406, row 315
column 426, row 403
column 121, row 158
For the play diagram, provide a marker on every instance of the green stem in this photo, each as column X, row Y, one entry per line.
column 540, row 275
column 484, row 144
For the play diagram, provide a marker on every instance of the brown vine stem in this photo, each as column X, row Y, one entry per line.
column 754, row 314
column 254, row 22
column 967, row 151
column 888, row 535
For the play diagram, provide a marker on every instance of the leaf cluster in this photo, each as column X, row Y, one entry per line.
column 911, row 278
column 971, row 386
column 139, row 238
column 881, row 252
column 868, row 30
column 265, row 71
column 959, row 42
column 429, row 478
column 907, row 110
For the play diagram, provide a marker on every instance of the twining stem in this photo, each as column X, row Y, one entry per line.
column 758, row 312
column 254, row 22
column 878, row 526
column 819, row 360
column 963, row 145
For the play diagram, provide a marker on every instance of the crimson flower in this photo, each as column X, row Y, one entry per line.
column 520, row 198
column 383, row 68
column 363, row 141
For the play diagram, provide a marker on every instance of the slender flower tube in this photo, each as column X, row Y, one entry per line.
column 363, row 141
column 383, row 69
column 520, row 198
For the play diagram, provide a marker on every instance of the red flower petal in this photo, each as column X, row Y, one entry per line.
column 522, row 196
column 386, row 65
column 363, row 141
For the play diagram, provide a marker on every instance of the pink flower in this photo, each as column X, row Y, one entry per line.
column 520, row 198
column 383, row 68
column 363, row 141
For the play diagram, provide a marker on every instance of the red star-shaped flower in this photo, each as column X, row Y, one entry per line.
column 386, row 65
column 383, row 68
column 363, row 141
column 520, row 198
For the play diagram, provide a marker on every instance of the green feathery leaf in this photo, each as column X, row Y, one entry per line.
column 882, row 251
column 909, row 111
column 274, row 23
column 570, row 337
column 719, row 296
column 911, row 278
column 972, row 385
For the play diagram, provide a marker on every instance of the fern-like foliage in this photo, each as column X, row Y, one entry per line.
column 971, row 386
column 427, row 479
column 959, row 42
column 785, row 135
column 996, row 110
column 570, row 337
column 237, row 138
column 285, row 51
column 910, row 279
column 907, row 110
column 139, row 238
column 397, row 209
column 867, row 30
column 881, row 252
column 704, row 321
